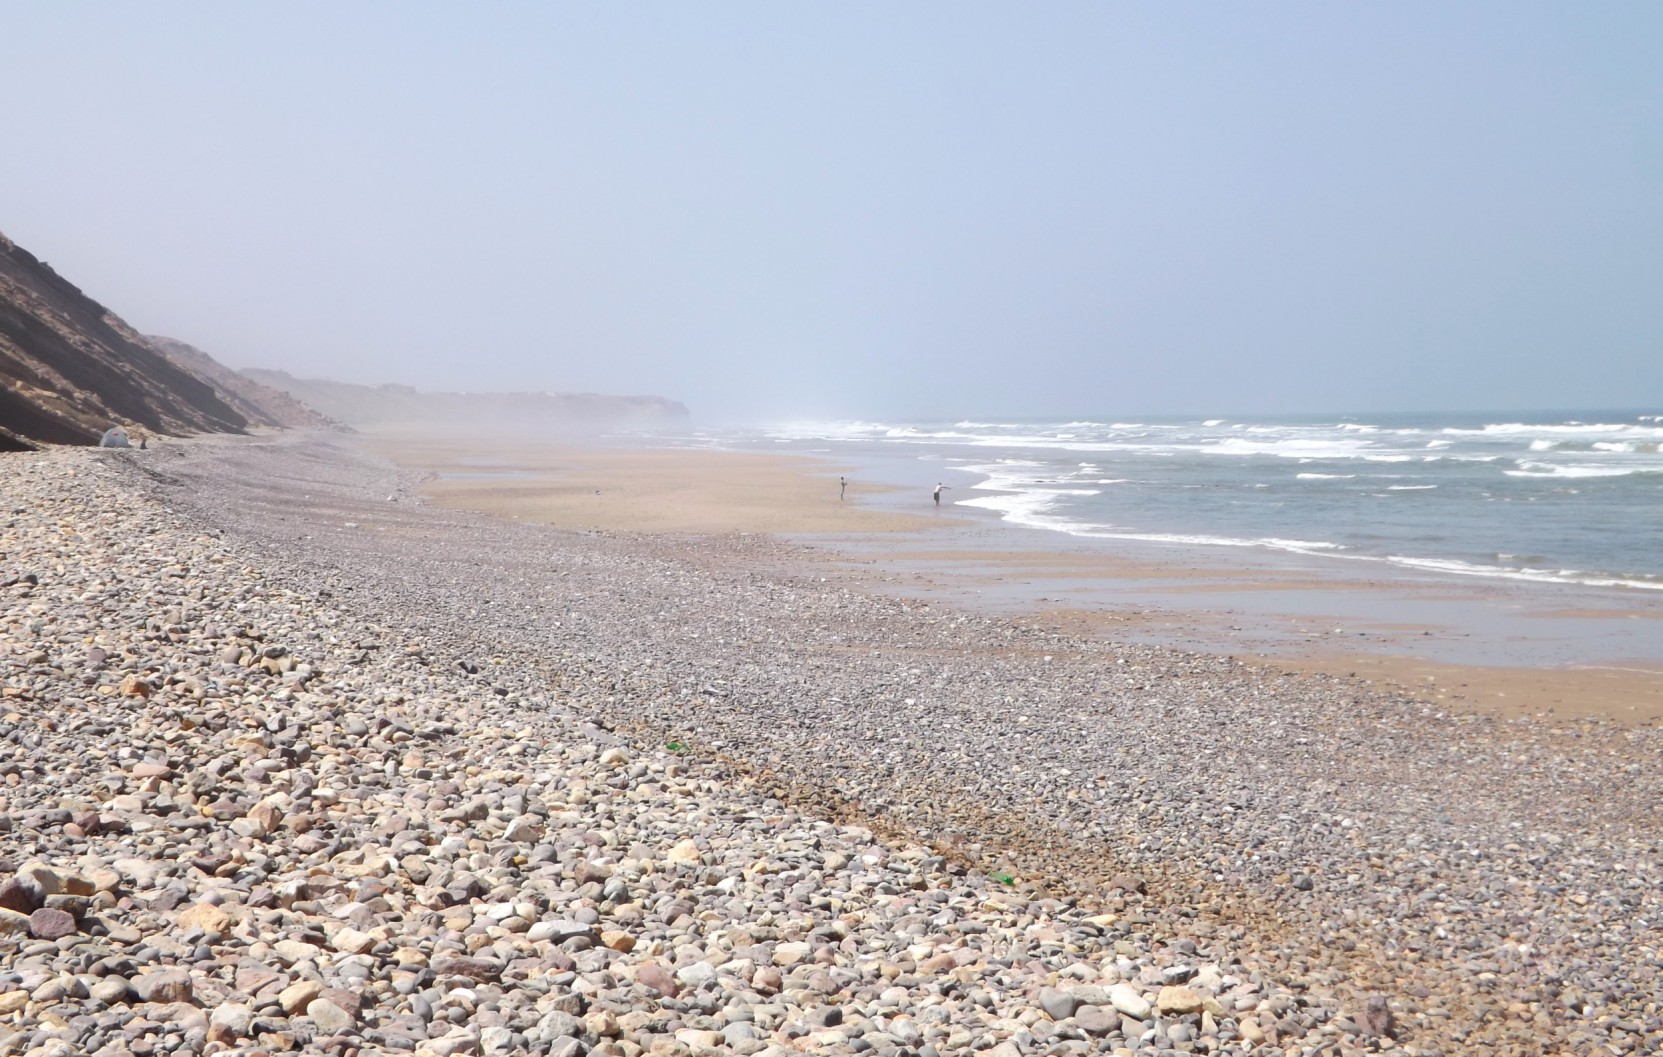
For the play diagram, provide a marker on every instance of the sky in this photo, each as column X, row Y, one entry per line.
column 867, row 210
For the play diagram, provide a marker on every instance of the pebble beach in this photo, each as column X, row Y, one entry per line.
column 291, row 761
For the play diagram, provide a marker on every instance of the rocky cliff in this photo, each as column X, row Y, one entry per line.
column 260, row 404
column 398, row 407
column 70, row 368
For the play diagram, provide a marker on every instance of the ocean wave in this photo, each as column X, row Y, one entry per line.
column 1219, row 485
column 1513, row 428
column 1050, row 506
column 1291, row 448
column 1267, row 542
column 1630, row 447
column 1620, row 447
column 1544, row 469
column 1511, row 572
column 843, row 429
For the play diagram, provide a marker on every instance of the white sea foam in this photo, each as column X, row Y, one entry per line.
column 850, row 429
column 1290, row 448
column 1034, row 510
column 1543, row 469
column 1106, row 479
column 1268, row 542
column 1513, row 428
column 1509, row 572
column 1630, row 447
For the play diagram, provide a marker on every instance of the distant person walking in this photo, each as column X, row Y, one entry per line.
column 842, row 486
column 936, row 495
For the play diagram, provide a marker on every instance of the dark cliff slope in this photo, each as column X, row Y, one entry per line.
column 399, row 407
column 70, row 369
column 260, row 404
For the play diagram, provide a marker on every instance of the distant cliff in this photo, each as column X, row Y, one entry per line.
column 401, row 407
column 70, row 368
column 260, row 404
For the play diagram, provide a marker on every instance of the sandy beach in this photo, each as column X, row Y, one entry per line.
column 626, row 488
column 1501, row 648
column 395, row 777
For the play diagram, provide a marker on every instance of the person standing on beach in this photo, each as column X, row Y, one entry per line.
column 842, row 486
column 936, row 495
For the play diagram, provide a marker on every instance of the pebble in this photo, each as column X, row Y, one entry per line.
column 49, row 924
column 1129, row 1000
column 681, row 798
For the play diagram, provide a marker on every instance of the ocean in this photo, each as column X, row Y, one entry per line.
column 1566, row 497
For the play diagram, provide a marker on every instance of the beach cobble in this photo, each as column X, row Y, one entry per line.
column 1378, row 874
column 240, row 815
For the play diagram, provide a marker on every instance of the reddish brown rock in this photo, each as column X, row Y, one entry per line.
column 1097, row 1021
column 482, row 969
column 654, row 976
column 49, row 924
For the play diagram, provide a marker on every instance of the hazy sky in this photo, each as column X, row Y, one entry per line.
column 863, row 210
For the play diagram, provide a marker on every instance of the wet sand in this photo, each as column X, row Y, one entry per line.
column 1516, row 649
column 1508, row 648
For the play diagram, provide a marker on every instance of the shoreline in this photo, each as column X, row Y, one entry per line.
column 318, row 833
column 1299, row 834
column 1519, row 649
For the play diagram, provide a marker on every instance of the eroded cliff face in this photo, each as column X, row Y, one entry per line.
column 260, row 404
column 399, row 407
column 70, row 368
